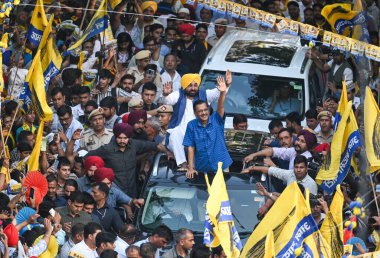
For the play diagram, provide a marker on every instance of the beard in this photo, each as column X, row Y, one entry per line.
column 191, row 93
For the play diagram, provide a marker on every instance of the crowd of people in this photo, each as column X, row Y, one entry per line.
column 141, row 95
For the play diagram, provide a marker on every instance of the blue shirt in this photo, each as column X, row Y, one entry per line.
column 209, row 144
column 116, row 196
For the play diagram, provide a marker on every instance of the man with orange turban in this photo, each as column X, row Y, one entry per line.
column 115, row 196
column 182, row 102
column 147, row 11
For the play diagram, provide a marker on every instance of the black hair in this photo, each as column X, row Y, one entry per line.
column 125, row 37
column 77, row 197
column 65, row 109
column 10, row 106
column 128, row 76
column 200, row 251
column 170, row 54
column 109, row 102
column 71, row 182
column 63, row 161
column 275, row 123
column 24, row 146
column 75, row 90
column 163, row 231
column 217, row 250
column 294, row 117
column 285, row 130
column 87, row 198
column 201, row 25
column 300, row 159
column 103, row 187
column 293, row 3
column 23, row 135
column 150, row 66
column 69, row 75
column 147, row 250
column 105, row 73
column 84, row 90
column 45, row 207
column 170, row 28
column 92, row 103
column 104, row 237
column 308, row 9
column 56, row 90
column 149, row 86
column 90, row 229
column 51, row 178
column 239, row 118
column 4, row 201
column 311, row 113
column 198, row 102
column 147, row 39
column 318, row 5
column 109, row 253
column 77, row 228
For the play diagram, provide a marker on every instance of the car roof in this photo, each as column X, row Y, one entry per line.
column 217, row 55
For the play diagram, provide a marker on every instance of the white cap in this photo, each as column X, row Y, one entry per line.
column 184, row 10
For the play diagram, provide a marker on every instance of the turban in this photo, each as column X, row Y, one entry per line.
column 103, row 173
column 124, row 119
column 188, row 78
column 136, row 115
column 322, row 147
column 310, row 138
column 12, row 234
column 151, row 4
column 123, row 128
column 186, row 28
column 96, row 161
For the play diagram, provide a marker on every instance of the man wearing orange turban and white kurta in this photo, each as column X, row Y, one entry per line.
column 182, row 102
column 147, row 9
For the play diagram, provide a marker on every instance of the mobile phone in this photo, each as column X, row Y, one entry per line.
column 378, row 188
column 31, row 194
column 52, row 212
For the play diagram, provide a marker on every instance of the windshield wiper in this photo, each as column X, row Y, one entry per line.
column 237, row 220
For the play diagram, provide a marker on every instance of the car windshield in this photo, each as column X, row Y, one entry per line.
column 259, row 96
column 179, row 207
column 258, row 52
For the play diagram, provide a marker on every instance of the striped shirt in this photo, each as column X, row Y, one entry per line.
column 108, row 93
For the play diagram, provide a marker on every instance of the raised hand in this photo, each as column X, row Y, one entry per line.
column 167, row 88
column 228, row 78
column 222, row 87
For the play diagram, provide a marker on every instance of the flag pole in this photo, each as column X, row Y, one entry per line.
column 374, row 195
column 3, row 142
column 10, row 129
column 84, row 16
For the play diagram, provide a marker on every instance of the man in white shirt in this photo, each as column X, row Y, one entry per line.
column 161, row 236
column 67, row 126
column 87, row 247
column 76, row 237
column 299, row 174
column 182, row 102
column 84, row 96
column 170, row 74
column 306, row 141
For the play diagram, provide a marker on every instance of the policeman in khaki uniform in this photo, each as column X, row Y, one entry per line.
column 97, row 135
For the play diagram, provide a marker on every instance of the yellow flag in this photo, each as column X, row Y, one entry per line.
column 339, row 16
column 81, row 59
column 3, row 44
column 98, row 23
column 269, row 246
column 332, row 226
column 34, row 159
column 372, row 128
column 51, row 59
column 219, row 223
column 35, row 85
column 290, row 220
column 114, row 3
column 347, row 138
column 37, row 24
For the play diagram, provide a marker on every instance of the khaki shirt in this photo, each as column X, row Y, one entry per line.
column 91, row 141
column 213, row 40
column 322, row 139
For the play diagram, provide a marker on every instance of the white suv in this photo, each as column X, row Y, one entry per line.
column 265, row 66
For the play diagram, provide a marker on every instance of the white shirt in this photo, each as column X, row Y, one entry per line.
column 75, row 125
column 165, row 77
column 77, row 111
column 84, row 250
column 289, row 177
column 139, row 243
column 348, row 76
column 173, row 97
column 289, row 154
column 120, row 246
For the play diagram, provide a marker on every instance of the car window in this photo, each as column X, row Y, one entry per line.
column 179, row 207
column 259, row 96
column 259, row 52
